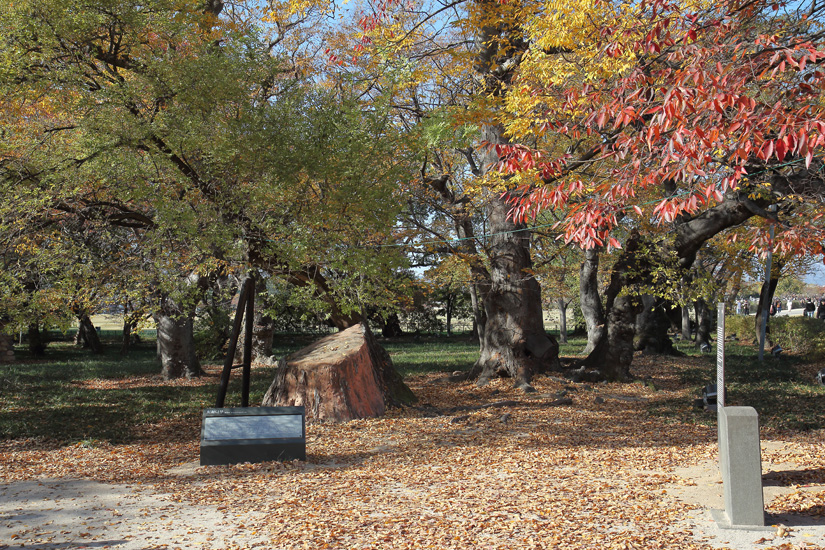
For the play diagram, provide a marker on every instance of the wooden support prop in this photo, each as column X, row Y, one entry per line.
column 247, row 289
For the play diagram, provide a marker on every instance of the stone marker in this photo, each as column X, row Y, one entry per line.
column 740, row 461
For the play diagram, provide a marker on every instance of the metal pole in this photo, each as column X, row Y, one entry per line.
column 233, row 345
column 247, row 343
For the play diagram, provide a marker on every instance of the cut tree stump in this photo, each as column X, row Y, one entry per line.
column 340, row 377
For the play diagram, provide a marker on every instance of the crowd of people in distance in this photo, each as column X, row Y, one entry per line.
column 811, row 307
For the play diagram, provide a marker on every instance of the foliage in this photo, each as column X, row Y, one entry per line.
column 743, row 326
column 668, row 105
column 803, row 336
column 163, row 141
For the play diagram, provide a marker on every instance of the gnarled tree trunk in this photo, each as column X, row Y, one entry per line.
column 611, row 355
column 176, row 342
column 513, row 343
column 652, row 325
column 87, row 335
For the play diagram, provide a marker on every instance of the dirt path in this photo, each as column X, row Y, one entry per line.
column 66, row 514
column 703, row 488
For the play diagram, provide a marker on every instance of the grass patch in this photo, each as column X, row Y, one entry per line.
column 783, row 390
column 73, row 397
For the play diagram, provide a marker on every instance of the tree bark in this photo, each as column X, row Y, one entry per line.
column 562, row 304
column 591, row 303
column 703, row 322
column 176, row 343
column 37, row 344
column 263, row 332
column 87, row 334
column 479, row 320
column 687, row 333
column 514, row 343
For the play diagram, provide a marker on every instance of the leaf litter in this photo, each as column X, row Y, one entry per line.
column 527, row 474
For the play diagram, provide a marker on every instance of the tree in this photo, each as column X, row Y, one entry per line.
column 193, row 131
column 455, row 63
column 697, row 117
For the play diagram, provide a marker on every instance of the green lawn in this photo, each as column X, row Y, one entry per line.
column 71, row 396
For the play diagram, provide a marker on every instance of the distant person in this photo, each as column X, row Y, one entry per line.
column 820, row 311
column 746, row 308
column 810, row 308
column 790, row 305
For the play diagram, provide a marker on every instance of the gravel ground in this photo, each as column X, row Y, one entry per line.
column 50, row 514
column 784, row 531
column 65, row 514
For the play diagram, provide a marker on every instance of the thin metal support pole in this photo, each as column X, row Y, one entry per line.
column 247, row 343
column 233, row 344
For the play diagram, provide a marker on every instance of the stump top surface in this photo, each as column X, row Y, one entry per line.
column 330, row 347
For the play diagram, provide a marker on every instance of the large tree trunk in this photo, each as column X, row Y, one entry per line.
column 611, row 355
column 652, row 325
column 514, row 343
column 263, row 331
column 591, row 303
column 87, row 335
column 176, row 341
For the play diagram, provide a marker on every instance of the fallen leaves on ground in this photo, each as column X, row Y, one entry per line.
column 527, row 475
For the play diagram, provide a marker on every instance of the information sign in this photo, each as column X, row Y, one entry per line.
column 720, row 356
column 252, row 434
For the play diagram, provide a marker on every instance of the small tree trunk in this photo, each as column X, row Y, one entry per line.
column 687, row 334
column 479, row 317
column 765, row 300
column 449, row 313
column 37, row 344
column 591, row 304
column 89, row 337
column 126, row 340
column 562, row 304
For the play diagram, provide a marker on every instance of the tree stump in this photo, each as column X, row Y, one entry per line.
column 340, row 377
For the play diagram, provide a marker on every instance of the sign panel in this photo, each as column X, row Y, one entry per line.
column 720, row 356
column 253, row 427
column 253, row 434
